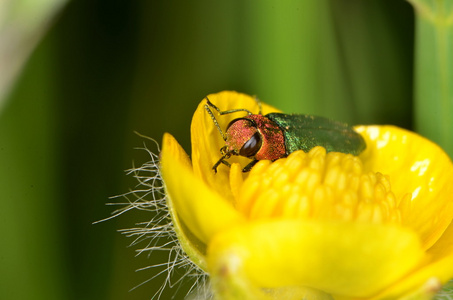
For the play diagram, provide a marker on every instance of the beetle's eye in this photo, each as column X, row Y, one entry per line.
column 252, row 146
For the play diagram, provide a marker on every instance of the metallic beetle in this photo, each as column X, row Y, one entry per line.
column 276, row 135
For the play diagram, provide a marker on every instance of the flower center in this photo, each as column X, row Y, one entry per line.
column 318, row 185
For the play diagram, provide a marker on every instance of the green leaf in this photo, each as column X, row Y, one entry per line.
column 434, row 71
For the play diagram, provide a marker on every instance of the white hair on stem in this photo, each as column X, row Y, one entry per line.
column 158, row 233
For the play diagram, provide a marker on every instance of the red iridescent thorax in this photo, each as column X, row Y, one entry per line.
column 241, row 130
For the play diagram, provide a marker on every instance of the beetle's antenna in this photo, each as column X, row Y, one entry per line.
column 259, row 105
column 225, row 112
column 214, row 119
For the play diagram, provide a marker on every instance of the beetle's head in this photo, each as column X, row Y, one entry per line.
column 242, row 137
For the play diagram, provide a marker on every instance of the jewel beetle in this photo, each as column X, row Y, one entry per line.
column 276, row 135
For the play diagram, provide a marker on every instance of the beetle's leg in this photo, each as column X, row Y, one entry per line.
column 225, row 112
column 222, row 161
column 248, row 167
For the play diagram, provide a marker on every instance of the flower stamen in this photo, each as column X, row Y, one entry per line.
column 318, row 185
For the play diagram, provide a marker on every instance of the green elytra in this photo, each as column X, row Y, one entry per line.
column 304, row 132
column 259, row 133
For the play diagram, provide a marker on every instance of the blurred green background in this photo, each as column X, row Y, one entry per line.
column 105, row 69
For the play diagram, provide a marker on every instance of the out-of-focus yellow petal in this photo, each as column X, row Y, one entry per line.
column 427, row 280
column 349, row 259
column 418, row 166
column 207, row 141
column 200, row 208
column 436, row 271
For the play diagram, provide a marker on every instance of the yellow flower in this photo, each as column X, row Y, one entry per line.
column 313, row 225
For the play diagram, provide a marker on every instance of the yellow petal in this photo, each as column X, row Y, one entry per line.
column 417, row 166
column 207, row 141
column 191, row 245
column 199, row 208
column 345, row 259
column 428, row 278
column 444, row 246
column 440, row 265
